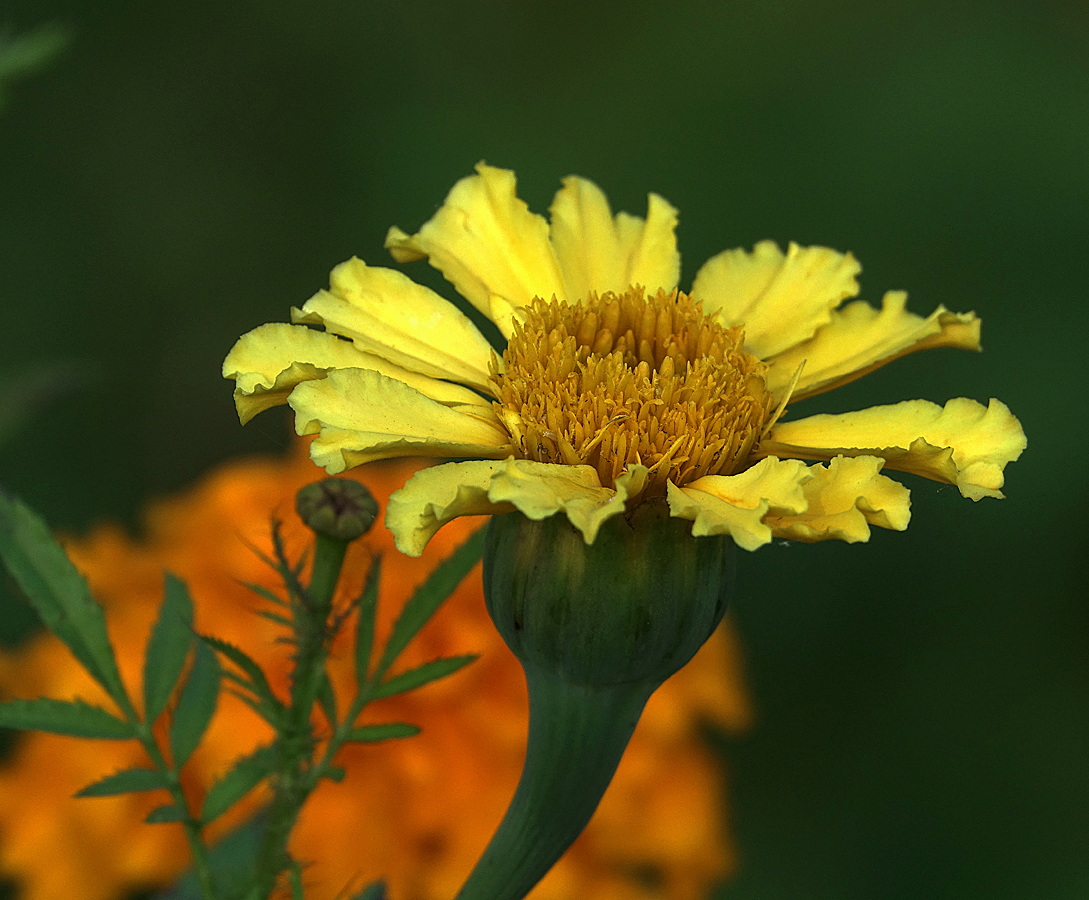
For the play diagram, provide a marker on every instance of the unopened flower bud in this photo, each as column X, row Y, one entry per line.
column 633, row 606
column 338, row 508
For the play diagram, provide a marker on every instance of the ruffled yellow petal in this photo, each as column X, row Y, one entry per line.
column 390, row 315
column 962, row 443
column 860, row 339
column 598, row 252
column 539, row 490
column 843, row 500
column 781, row 299
column 268, row 362
column 737, row 505
column 361, row 415
column 434, row 496
column 486, row 242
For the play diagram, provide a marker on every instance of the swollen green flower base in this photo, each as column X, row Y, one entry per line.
column 597, row 629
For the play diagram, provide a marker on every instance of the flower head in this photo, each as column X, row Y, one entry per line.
column 614, row 385
column 417, row 812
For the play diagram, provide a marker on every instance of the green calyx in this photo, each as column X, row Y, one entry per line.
column 597, row 629
column 634, row 606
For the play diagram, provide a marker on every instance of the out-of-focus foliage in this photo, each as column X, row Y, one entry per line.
column 24, row 54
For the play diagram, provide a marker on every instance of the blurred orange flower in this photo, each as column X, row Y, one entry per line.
column 417, row 812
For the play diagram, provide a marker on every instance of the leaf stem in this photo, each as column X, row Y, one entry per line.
column 201, row 865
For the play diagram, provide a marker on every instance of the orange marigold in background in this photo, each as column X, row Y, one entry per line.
column 417, row 812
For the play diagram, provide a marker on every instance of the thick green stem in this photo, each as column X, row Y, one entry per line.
column 328, row 558
column 558, row 791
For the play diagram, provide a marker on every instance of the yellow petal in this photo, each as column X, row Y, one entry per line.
column 860, row 339
column 962, row 443
column 434, row 496
column 738, row 504
column 539, row 490
column 599, row 253
column 781, row 299
column 486, row 241
column 844, row 499
column 361, row 415
column 391, row 316
column 268, row 362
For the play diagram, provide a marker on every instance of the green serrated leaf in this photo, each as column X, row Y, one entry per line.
column 265, row 593
column 57, row 592
column 252, row 702
column 167, row 647
column 426, row 600
column 232, row 861
column 421, row 675
column 328, row 700
column 376, row 890
column 196, row 704
column 72, row 717
column 242, row 777
column 288, row 573
column 275, row 617
column 368, row 734
column 364, row 631
column 163, row 814
column 271, row 707
column 129, row 781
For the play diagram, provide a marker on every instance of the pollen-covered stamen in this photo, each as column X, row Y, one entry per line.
column 621, row 379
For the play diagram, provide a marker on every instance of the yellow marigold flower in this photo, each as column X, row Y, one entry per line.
column 418, row 811
column 614, row 385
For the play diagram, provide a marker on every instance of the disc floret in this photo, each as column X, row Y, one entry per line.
column 618, row 379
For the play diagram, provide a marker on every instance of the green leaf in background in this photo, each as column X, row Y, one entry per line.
column 232, row 861
column 71, row 717
column 328, row 700
column 57, row 592
column 30, row 389
column 196, row 704
column 364, row 631
column 26, row 54
column 167, row 647
column 163, row 814
column 239, row 780
column 421, row 675
column 129, row 781
column 429, row 596
column 265, row 593
column 268, row 705
column 275, row 617
column 368, row 734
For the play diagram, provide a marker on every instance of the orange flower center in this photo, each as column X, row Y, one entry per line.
column 620, row 379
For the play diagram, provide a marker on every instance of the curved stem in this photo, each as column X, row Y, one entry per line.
column 577, row 735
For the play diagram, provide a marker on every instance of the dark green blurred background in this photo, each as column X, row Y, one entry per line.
column 185, row 172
